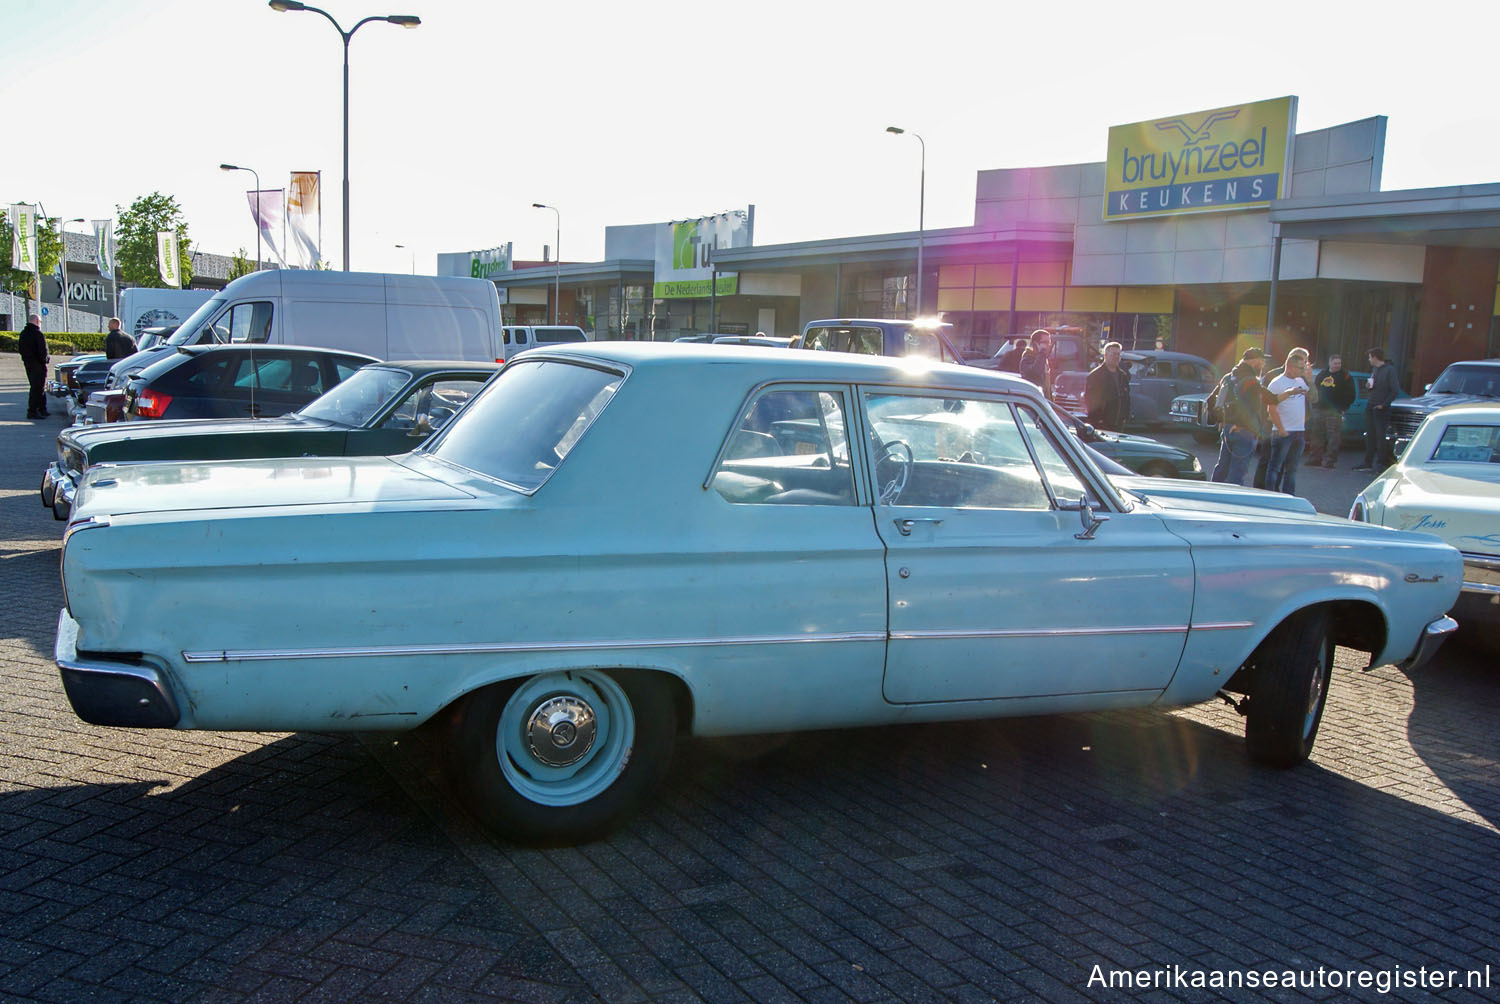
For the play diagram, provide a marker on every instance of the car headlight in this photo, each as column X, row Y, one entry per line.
column 1197, row 467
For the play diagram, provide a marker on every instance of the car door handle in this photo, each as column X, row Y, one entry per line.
column 905, row 523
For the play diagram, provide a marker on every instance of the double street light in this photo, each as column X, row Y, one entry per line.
column 557, row 258
column 231, row 167
column 405, row 21
column 921, row 213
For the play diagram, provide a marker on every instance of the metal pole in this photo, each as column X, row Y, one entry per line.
column 921, row 223
column 347, row 36
column 1271, row 303
column 557, row 271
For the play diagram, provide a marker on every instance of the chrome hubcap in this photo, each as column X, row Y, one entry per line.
column 561, row 731
column 1314, row 696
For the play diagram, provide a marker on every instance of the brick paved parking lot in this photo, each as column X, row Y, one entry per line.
column 972, row 862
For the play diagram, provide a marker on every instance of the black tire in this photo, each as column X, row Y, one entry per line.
column 1293, row 668
column 519, row 794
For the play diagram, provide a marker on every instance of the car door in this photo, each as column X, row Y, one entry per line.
column 994, row 589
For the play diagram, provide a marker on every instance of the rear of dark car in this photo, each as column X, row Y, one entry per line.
column 237, row 381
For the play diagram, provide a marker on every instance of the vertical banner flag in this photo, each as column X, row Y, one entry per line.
column 268, row 207
column 104, row 247
column 169, row 258
column 304, row 213
column 23, row 237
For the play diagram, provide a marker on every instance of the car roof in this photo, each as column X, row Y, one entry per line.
column 766, row 363
column 418, row 367
column 1171, row 355
column 308, row 350
column 1486, row 411
column 877, row 322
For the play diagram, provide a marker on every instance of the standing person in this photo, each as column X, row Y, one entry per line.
column 1335, row 388
column 1036, row 361
column 1383, row 391
column 117, row 344
column 1291, row 410
column 1106, row 393
column 33, row 346
column 1242, row 402
column 1263, row 448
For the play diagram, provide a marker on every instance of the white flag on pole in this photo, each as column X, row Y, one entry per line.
column 169, row 258
column 104, row 247
column 304, row 213
column 23, row 237
column 268, row 206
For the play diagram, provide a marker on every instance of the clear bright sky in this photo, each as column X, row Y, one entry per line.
column 621, row 112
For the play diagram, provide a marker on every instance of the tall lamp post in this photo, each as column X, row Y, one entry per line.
column 557, row 259
column 921, row 213
column 231, row 167
column 405, row 21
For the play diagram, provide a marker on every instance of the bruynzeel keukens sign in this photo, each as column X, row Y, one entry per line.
column 1201, row 162
column 685, row 254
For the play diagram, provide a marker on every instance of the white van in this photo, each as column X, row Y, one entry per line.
column 142, row 307
column 387, row 316
column 520, row 337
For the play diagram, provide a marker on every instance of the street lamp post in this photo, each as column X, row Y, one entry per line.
column 921, row 213
column 405, row 21
column 231, row 167
column 413, row 251
column 557, row 259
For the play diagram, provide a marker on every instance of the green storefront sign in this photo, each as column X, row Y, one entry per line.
column 687, row 289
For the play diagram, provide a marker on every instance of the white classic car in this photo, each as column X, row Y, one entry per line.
column 616, row 544
column 1447, row 483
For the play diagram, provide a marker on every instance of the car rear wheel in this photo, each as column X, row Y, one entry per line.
column 562, row 757
column 1291, row 690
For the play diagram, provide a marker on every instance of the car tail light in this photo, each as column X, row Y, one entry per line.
column 72, row 379
column 152, row 404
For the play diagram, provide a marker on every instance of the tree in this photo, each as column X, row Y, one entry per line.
column 48, row 253
column 240, row 265
column 135, row 239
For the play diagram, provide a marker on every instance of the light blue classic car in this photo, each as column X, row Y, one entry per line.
column 616, row 544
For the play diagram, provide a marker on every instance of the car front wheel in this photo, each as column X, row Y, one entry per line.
column 1291, row 690
column 562, row 757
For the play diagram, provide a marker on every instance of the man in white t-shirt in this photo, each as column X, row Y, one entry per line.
column 1290, row 389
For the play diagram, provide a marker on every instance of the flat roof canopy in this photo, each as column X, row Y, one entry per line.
column 1460, row 216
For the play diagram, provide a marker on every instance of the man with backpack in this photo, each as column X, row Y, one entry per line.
column 1241, row 401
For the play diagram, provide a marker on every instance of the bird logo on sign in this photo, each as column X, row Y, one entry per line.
column 1195, row 135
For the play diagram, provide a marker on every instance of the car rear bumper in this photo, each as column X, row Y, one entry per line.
column 59, row 488
column 1481, row 574
column 115, row 690
column 1433, row 637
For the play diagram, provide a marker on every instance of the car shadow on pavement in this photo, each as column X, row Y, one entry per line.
column 1455, row 721
column 1011, row 855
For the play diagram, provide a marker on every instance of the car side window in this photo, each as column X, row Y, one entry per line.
column 1064, row 480
column 345, row 370
column 207, row 372
column 921, row 343
column 1189, row 371
column 952, row 452
column 791, row 448
column 249, row 322
column 1161, row 369
column 438, row 400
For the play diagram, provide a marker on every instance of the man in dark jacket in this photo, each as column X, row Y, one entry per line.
column 1242, row 402
column 33, row 346
column 1383, row 390
column 1335, row 390
column 1036, row 361
column 117, row 344
column 1106, row 392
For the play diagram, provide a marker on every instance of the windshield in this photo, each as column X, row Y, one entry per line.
column 190, row 327
column 355, row 401
column 1483, row 381
column 522, row 426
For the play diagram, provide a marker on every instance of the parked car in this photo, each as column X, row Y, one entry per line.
column 64, row 382
column 383, row 408
column 1138, row 454
column 1188, row 412
column 236, row 381
column 1072, row 350
column 1447, row 482
column 1156, row 378
column 83, row 380
column 1461, row 383
column 765, row 341
column 516, row 338
column 617, row 543
column 876, row 337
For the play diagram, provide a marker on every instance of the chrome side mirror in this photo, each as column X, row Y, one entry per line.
column 1086, row 515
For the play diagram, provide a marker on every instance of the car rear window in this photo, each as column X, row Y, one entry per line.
column 1469, row 444
column 555, row 335
column 865, row 341
column 525, row 423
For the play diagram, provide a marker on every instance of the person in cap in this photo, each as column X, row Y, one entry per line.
column 1242, row 403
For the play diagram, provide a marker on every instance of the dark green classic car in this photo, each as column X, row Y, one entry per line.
column 1139, row 453
column 383, row 409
